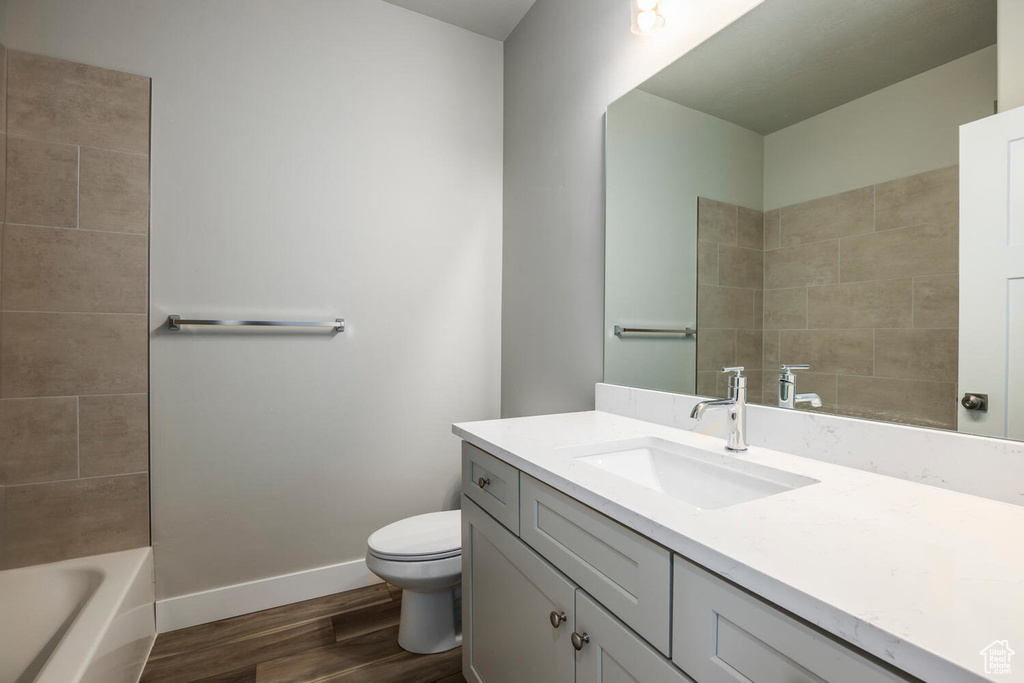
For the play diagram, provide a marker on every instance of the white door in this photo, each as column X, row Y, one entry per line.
column 992, row 273
column 508, row 596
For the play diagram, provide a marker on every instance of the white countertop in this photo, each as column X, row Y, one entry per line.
column 920, row 577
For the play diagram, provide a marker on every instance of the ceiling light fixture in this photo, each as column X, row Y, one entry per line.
column 646, row 16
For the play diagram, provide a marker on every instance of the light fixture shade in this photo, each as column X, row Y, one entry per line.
column 646, row 16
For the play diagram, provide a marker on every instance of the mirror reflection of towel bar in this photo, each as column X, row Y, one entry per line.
column 621, row 331
column 174, row 323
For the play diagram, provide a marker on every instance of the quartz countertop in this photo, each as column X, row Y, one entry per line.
column 922, row 578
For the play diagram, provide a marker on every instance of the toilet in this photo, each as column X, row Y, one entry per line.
column 422, row 555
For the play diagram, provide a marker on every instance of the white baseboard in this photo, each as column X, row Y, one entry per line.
column 243, row 598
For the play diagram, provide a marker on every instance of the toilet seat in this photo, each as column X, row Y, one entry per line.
column 424, row 538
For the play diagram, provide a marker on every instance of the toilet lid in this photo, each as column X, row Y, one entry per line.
column 422, row 537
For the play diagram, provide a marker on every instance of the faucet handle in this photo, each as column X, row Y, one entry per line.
column 738, row 370
column 788, row 368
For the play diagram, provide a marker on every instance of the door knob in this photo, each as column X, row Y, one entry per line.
column 481, row 482
column 978, row 402
column 579, row 640
column 557, row 618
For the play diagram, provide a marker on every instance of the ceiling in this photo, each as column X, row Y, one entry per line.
column 491, row 18
column 788, row 60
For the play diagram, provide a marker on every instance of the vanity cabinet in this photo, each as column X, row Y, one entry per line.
column 722, row 634
column 566, row 594
column 508, row 595
column 613, row 653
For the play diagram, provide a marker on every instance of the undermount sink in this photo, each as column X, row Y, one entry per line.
column 703, row 479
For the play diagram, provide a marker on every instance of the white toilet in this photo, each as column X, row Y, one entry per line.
column 422, row 555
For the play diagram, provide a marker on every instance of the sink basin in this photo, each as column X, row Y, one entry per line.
column 703, row 479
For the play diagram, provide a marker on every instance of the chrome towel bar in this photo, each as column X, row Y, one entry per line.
column 621, row 331
column 174, row 323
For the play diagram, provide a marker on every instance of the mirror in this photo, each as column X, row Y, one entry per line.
column 788, row 193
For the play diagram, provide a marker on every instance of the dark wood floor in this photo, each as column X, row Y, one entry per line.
column 343, row 638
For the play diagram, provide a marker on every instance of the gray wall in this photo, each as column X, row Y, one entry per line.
column 564, row 64
column 309, row 159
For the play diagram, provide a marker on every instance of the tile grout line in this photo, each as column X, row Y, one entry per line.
column 64, row 481
column 116, row 150
column 65, row 227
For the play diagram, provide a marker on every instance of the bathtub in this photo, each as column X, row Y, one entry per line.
column 88, row 619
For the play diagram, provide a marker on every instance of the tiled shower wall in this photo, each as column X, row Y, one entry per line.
column 74, row 442
column 862, row 286
column 730, row 260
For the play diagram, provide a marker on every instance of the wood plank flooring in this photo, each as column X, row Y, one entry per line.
column 343, row 638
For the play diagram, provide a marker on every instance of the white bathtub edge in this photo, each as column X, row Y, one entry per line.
column 231, row 601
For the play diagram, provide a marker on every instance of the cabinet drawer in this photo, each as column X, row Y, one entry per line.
column 625, row 572
column 508, row 595
column 614, row 653
column 721, row 634
column 493, row 484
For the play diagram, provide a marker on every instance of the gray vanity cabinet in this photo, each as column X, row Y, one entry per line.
column 613, row 653
column 721, row 634
column 509, row 595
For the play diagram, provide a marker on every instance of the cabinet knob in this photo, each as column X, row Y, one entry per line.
column 579, row 640
column 557, row 618
column 481, row 482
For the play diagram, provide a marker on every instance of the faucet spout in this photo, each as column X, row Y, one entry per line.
column 698, row 410
column 813, row 399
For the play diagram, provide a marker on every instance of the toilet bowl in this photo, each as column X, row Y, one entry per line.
column 422, row 555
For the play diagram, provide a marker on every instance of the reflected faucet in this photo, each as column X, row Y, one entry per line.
column 788, row 398
column 736, row 405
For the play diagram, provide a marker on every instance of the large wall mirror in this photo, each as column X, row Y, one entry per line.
column 788, row 193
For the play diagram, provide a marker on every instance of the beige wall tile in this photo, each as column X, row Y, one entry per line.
column 114, row 434
column 716, row 221
column 917, row 354
column 47, row 522
column 839, row 215
column 758, row 309
column 61, row 354
column 115, row 191
column 770, row 344
column 932, row 197
column 937, row 301
column 3, row 88
column 39, row 439
column 809, row 264
column 750, row 228
column 707, row 383
column 715, row 349
column 846, row 352
column 750, row 349
column 907, row 252
column 725, row 307
column 707, row 263
column 51, row 99
column 3, row 525
column 55, row 269
column 886, row 303
column 3, row 176
column 42, row 183
column 926, row 404
column 738, row 267
column 785, row 309
column 772, row 228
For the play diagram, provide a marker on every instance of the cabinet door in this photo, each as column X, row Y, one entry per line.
column 508, row 595
column 721, row 634
column 614, row 654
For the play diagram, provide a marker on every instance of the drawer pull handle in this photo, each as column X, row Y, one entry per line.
column 557, row 618
column 579, row 640
column 481, row 482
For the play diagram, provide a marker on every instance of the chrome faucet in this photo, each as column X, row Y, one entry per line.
column 788, row 398
column 736, row 404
